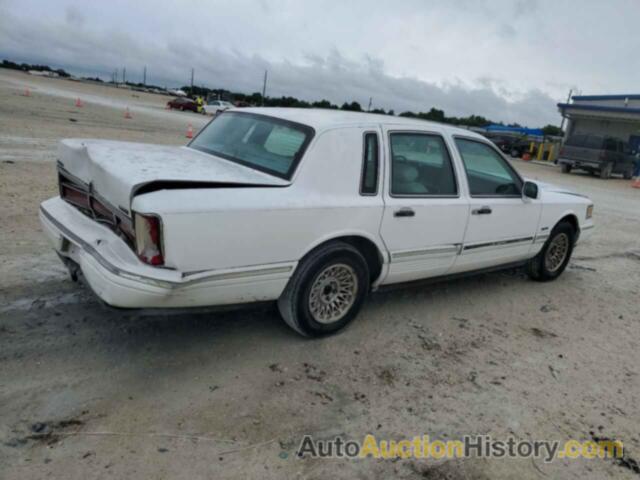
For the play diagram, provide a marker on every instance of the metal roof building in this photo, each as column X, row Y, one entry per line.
column 613, row 115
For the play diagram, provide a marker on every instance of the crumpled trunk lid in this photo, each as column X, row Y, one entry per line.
column 116, row 171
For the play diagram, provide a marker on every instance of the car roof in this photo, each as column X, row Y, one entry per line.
column 323, row 119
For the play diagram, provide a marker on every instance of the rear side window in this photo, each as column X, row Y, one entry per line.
column 370, row 162
column 421, row 166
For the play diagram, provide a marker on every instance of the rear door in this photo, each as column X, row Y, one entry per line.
column 425, row 215
column 502, row 224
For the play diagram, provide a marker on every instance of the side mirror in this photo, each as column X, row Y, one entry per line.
column 530, row 190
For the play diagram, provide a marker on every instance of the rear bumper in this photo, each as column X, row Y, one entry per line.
column 116, row 275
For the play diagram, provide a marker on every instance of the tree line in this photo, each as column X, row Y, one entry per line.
column 434, row 114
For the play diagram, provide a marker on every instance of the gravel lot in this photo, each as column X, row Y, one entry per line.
column 87, row 392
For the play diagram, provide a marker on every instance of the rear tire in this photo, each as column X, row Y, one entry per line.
column 326, row 291
column 605, row 172
column 628, row 174
column 554, row 256
column 566, row 168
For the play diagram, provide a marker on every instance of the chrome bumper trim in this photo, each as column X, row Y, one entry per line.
column 90, row 249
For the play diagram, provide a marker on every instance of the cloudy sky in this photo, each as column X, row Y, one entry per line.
column 509, row 60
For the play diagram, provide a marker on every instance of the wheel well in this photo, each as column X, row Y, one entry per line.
column 573, row 221
column 367, row 248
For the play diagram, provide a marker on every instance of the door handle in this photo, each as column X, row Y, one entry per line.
column 404, row 212
column 482, row 211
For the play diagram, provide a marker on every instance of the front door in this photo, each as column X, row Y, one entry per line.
column 502, row 223
column 425, row 215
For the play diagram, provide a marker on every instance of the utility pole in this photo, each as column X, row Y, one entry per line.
column 124, row 75
column 144, row 76
column 264, row 87
column 191, row 92
column 563, row 117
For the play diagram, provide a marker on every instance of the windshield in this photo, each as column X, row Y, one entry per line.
column 265, row 143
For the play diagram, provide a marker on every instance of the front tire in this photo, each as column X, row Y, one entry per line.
column 326, row 291
column 554, row 256
column 566, row 168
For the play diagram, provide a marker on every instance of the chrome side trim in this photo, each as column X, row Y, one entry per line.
column 90, row 249
column 410, row 255
column 243, row 274
column 498, row 243
column 541, row 238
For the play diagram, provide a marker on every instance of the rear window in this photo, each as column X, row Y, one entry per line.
column 576, row 140
column 264, row 143
column 594, row 142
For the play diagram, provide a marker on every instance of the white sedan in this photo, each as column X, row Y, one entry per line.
column 309, row 208
column 214, row 107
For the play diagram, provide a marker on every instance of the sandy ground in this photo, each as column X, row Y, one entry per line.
column 87, row 392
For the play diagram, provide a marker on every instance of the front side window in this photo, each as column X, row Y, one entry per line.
column 420, row 165
column 264, row 143
column 369, row 181
column 487, row 171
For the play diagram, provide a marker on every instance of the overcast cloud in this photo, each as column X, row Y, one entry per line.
column 509, row 60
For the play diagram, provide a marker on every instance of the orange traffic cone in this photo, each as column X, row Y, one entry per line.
column 79, row 102
column 189, row 131
column 636, row 183
column 27, row 92
column 127, row 113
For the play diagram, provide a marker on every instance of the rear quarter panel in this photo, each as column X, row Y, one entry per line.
column 207, row 229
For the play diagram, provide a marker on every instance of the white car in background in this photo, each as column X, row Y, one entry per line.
column 213, row 107
column 309, row 208
column 177, row 92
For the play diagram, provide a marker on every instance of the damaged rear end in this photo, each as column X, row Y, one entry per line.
column 121, row 252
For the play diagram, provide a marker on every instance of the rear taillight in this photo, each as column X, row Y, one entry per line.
column 562, row 152
column 76, row 197
column 149, row 239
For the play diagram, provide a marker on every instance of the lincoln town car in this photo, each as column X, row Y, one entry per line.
column 312, row 209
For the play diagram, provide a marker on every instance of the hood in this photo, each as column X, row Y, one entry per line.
column 551, row 188
column 119, row 170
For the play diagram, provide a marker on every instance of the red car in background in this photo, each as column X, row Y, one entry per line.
column 183, row 104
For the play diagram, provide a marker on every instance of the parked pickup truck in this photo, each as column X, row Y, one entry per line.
column 309, row 208
column 596, row 154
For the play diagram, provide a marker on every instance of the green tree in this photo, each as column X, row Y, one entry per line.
column 552, row 130
column 352, row 107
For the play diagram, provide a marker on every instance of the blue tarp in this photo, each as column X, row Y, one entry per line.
column 521, row 130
